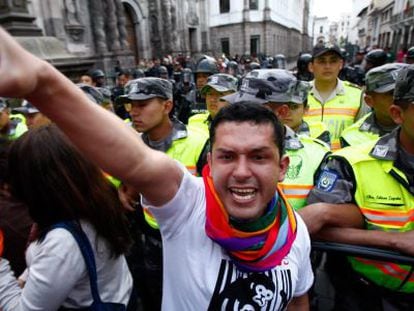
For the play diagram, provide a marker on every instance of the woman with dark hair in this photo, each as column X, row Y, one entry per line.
column 49, row 175
column 15, row 222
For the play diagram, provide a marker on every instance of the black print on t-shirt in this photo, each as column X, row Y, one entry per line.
column 251, row 291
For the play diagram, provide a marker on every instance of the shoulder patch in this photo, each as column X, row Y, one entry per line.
column 380, row 151
column 327, row 180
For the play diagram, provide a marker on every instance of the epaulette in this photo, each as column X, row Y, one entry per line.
column 353, row 85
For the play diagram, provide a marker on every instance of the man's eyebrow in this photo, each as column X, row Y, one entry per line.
column 257, row 149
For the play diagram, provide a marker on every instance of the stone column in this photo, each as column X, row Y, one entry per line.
column 98, row 25
column 121, row 24
column 112, row 25
column 15, row 18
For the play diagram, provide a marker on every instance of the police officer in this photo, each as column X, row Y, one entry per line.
column 98, row 78
column 12, row 126
column 380, row 83
column 218, row 85
column 409, row 58
column 370, row 187
column 149, row 102
column 331, row 100
column 206, row 67
column 233, row 68
column 279, row 90
column 279, row 61
column 184, row 96
column 34, row 118
column 122, row 78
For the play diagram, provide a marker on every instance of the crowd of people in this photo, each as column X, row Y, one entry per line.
column 200, row 186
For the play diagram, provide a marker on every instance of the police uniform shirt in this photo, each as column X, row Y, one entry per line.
column 179, row 131
column 340, row 89
column 335, row 182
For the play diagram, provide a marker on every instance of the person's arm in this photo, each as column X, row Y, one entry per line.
column 99, row 134
column 331, row 201
column 318, row 215
column 398, row 241
column 300, row 303
column 9, row 288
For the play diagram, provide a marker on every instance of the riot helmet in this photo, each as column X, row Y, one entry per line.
column 207, row 65
column 138, row 73
column 163, row 71
column 232, row 68
column 375, row 58
column 98, row 77
column 279, row 61
column 186, row 75
column 302, row 64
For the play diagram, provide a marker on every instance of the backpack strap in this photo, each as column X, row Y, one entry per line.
column 87, row 253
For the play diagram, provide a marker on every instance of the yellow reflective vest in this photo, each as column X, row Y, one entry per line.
column 199, row 122
column 387, row 205
column 187, row 151
column 337, row 113
column 18, row 126
column 304, row 158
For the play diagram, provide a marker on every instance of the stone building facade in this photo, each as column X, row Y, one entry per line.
column 260, row 27
column 77, row 35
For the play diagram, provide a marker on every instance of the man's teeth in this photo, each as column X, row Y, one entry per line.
column 243, row 194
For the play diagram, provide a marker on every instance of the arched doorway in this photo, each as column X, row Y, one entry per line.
column 131, row 33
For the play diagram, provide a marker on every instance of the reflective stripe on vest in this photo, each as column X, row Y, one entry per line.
column 296, row 194
column 337, row 113
column 186, row 151
column 387, row 206
column 386, row 274
column 391, row 219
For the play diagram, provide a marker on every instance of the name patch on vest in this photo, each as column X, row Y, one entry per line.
column 327, row 181
column 384, row 199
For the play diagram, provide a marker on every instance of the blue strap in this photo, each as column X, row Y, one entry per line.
column 87, row 253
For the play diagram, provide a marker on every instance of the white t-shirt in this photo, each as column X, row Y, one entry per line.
column 198, row 274
column 57, row 275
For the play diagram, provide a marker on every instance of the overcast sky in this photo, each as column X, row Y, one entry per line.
column 331, row 9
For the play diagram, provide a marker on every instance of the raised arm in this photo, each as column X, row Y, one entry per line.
column 100, row 135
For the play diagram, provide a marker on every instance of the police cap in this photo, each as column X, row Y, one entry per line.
column 221, row 82
column 404, row 86
column 146, row 88
column 382, row 79
column 92, row 92
column 26, row 108
column 321, row 49
column 270, row 85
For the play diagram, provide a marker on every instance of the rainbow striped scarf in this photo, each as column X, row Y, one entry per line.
column 257, row 246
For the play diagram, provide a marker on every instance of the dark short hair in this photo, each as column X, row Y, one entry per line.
column 248, row 112
column 57, row 183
